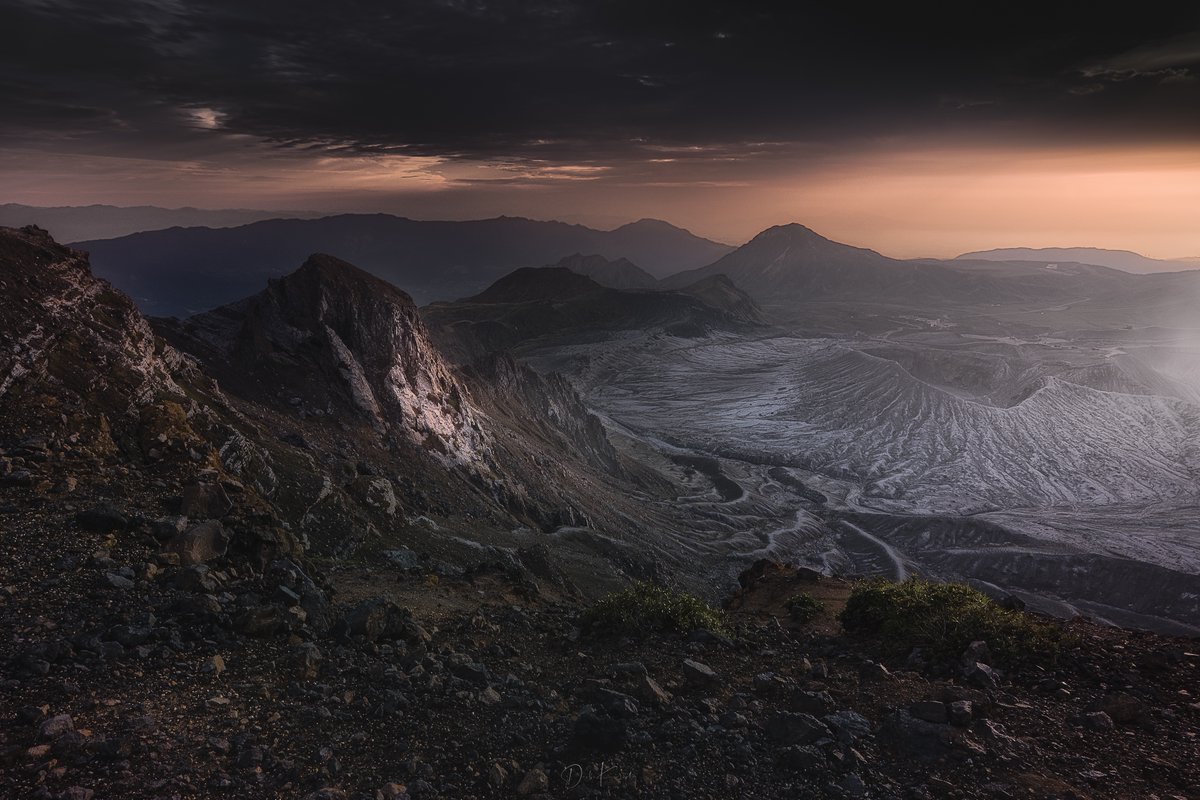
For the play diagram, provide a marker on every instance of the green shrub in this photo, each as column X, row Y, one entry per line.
column 645, row 607
column 943, row 619
column 804, row 608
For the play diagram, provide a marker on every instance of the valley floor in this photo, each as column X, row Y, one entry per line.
column 1055, row 466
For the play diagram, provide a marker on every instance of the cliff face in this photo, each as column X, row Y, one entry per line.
column 72, row 336
column 332, row 338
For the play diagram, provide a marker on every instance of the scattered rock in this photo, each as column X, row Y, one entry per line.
column 377, row 619
column 200, row 543
column 118, row 581
column 55, row 726
column 1098, row 721
column 306, row 660
column 535, row 782
column 164, row 529
column 497, row 775
column 260, row 621
column 699, row 674
column 104, row 518
column 796, row 728
column 848, row 726
column 981, row 675
column 1122, row 707
column 930, row 711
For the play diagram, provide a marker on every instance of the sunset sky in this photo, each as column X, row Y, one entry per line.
column 913, row 133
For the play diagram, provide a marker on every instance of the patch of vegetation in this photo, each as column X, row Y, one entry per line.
column 645, row 607
column 943, row 619
column 804, row 608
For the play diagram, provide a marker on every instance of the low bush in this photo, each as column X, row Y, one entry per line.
column 804, row 608
column 943, row 619
column 646, row 607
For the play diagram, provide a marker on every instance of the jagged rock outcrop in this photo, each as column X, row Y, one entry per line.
column 334, row 338
column 71, row 336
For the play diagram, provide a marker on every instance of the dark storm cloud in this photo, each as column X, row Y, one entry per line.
column 584, row 82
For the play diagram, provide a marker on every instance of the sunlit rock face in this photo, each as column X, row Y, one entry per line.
column 339, row 338
column 71, row 331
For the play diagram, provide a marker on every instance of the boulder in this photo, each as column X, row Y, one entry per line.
column 54, row 727
column 699, row 674
column 796, row 728
column 200, row 543
column 535, row 782
column 930, row 711
column 378, row 619
column 104, row 518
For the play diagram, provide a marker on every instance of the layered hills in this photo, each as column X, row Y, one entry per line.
column 181, row 271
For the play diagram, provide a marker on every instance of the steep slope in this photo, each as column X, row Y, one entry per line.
column 181, row 271
column 1124, row 260
column 619, row 273
column 72, row 332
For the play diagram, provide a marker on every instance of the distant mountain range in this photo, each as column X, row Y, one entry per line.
column 1124, row 260
column 180, row 271
column 790, row 264
column 79, row 223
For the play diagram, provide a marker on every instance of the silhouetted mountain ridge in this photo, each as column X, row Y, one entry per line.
column 179, row 271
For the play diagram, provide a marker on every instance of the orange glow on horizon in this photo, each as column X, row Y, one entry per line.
column 904, row 200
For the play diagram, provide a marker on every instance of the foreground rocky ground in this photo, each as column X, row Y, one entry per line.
column 145, row 658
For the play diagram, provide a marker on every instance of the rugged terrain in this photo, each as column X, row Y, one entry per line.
column 317, row 543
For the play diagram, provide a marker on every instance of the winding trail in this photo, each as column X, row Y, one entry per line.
column 890, row 554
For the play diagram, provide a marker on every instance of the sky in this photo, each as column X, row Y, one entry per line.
column 916, row 133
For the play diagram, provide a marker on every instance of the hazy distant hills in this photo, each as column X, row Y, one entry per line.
column 536, row 302
column 179, row 271
column 78, row 223
column 619, row 273
column 790, row 264
column 1124, row 260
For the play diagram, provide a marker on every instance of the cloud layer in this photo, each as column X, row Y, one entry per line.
column 473, row 97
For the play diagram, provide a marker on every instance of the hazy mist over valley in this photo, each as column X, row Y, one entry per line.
column 554, row 400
